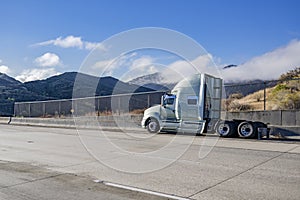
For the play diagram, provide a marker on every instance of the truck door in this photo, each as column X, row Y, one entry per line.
column 168, row 107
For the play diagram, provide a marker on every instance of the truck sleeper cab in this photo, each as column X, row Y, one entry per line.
column 194, row 106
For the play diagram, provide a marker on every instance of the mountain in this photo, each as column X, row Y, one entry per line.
column 83, row 85
column 158, row 87
column 8, row 81
column 153, row 81
column 229, row 66
column 12, row 90
column 149, row 78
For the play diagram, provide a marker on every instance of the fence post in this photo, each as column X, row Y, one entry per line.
column 264, row 95
column 29, row 110
column 44, row 110
column 14, row 109
column 59, row 108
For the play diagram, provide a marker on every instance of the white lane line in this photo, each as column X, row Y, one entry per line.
column 143, row 190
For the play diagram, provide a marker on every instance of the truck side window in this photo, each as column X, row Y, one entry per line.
column 192, row 100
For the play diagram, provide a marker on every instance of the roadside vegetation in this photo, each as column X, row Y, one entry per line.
column 285, row 95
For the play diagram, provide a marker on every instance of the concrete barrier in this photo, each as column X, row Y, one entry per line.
column 276, row 117
column 121, row 121
column 298, row 118
column 55, row 122
column 4, row 120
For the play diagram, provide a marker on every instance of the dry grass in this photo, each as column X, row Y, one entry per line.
column 256, row 100
column 138, row 111
column 275, row 99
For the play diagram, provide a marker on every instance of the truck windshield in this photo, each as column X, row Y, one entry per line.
column 168, row 99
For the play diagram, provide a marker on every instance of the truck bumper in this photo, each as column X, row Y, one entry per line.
column 143, row 123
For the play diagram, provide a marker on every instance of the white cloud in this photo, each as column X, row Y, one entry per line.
column 4, row 69
column 142, row 62
column 267, row 66
column 67, row 42
column 48, row 60
column 104, row 67
column 141, row 66
column 36, row 74
column 93, row 45
column 134, row 65
column 111, row 66
column 71, row 42
column 182, row 68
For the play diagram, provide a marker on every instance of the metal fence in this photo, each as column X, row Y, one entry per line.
column 100, row 105
column 6, row 109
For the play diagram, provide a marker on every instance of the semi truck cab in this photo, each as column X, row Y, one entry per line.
column 194, row 106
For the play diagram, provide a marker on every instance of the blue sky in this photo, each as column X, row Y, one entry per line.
column 34, row 34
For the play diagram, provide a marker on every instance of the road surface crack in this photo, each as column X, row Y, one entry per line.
column 34, row 180
column 243, row 172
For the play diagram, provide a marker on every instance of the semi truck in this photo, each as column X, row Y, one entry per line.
column 194, row 106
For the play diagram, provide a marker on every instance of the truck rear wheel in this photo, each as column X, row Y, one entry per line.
column 246, row 130
column 153, row 125
column 226, row 128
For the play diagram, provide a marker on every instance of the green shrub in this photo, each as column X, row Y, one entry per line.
column 278, row 88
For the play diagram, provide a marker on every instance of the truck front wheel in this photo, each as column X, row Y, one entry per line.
column 153, row 125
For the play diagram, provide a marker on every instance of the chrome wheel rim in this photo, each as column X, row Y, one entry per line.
column 224, row 129
column 246, row 129
column 152, row 126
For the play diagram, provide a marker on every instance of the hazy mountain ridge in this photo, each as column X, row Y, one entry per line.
column 154, row 81
column 149, row 78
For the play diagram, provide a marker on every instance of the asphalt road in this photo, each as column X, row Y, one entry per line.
column 53, row 163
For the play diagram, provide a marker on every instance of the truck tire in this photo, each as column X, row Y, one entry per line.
column 246, row 129
column 226, row 128
column 153, row 125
